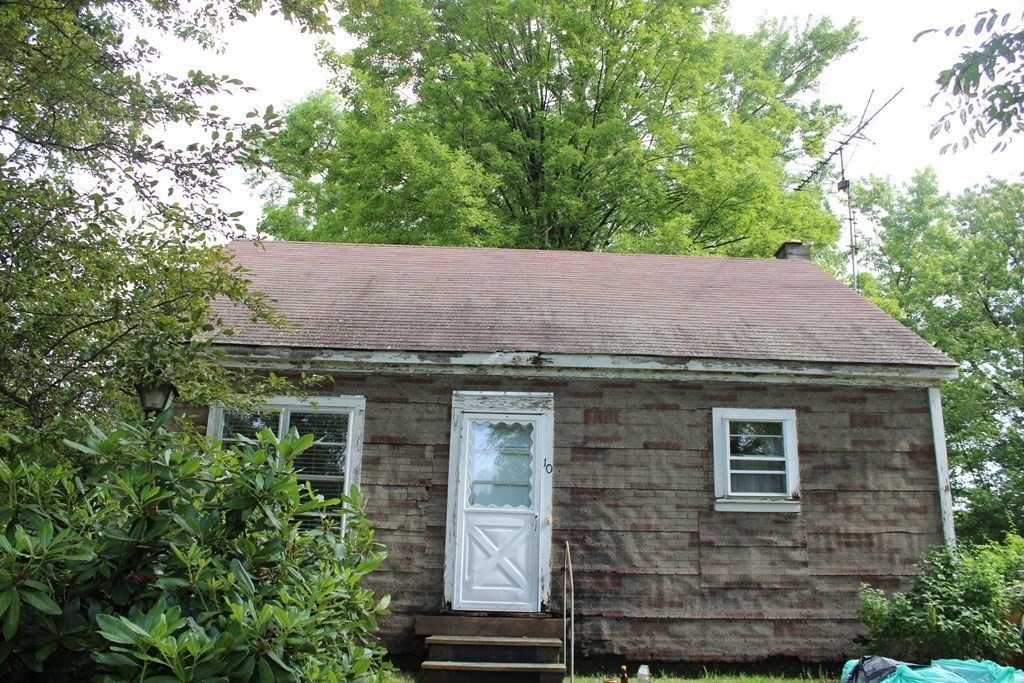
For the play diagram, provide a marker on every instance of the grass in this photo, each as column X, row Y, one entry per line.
column 707, row 677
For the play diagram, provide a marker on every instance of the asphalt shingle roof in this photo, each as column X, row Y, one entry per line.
column 382, row 297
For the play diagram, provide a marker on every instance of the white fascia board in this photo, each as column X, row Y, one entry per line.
column 533, row 364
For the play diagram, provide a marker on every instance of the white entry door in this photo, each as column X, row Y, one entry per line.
column 500, row 544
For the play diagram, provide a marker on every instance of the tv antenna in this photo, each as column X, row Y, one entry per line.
column 844, row 182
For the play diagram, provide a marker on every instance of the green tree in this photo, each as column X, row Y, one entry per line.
column 953, row 269
column 623, row 124
column 104, row 272
column 147, row 555
column 912, row 227
column 984, row 90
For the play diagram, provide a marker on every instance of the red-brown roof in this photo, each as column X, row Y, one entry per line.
column 405, row 298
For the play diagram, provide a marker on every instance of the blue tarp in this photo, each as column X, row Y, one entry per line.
column 881, row 670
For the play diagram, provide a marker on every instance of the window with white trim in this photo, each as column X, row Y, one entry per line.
column 756, row 468
column 331, row 465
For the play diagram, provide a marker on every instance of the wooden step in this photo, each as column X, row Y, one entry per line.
column 511, row 648
column 492, row 672
column 539, row 626
column 521, row 641
column 495, row 667
column 494, row 649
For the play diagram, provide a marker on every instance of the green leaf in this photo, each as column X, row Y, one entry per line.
column 12, row 617
column 35, row 585
column 266, row 674
column 360, row 666
column 115, row 659
column 79, row 447
column 240, row 502
column 302, row 444
column 45, row 533
column 307, row 506
column 41, row 602
column 7, row 595
column 242, row 576
column 171, row 582
column 116, row 630
column 274, row 657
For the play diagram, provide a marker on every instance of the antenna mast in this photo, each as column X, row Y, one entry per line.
column 844, row 186
column 844, row 183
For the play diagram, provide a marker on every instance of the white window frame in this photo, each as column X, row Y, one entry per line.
column 725, row 499
column 353, row 406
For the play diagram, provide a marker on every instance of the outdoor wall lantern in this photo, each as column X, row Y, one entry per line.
column 155, row 395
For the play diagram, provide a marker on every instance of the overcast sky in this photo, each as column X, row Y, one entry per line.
column 279, row 61
column 885, row 61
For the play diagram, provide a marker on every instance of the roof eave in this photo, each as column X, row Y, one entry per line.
column 531, row 363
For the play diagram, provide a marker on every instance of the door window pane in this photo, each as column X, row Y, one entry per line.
column 500, row 495
column 500, row 463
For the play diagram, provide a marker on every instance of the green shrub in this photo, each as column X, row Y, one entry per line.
column 962, row 605
column 156, row 557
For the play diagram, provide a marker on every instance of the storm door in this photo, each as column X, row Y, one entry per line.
column 499, row 546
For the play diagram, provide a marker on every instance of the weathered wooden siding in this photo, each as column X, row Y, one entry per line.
column 661, row 576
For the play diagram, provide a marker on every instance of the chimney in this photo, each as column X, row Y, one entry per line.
column 794, row 250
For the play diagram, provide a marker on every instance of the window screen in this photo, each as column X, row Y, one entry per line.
column 757, row 457
column 325, row 464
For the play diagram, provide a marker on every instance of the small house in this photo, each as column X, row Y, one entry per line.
column 722, row 449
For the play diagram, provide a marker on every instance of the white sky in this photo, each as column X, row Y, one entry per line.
column 280, row 62
column 885, row 61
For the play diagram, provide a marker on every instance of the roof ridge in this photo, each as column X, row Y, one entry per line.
column 519, row 250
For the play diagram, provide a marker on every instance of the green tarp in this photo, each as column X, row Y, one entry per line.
column 882, row 670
